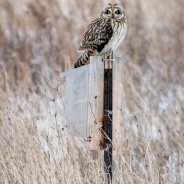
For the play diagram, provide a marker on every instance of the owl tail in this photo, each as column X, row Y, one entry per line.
column 84, row 59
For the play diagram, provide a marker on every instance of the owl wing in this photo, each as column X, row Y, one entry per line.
column 98, row 34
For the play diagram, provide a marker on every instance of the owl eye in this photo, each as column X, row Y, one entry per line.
column 117, row 12
column 108, row 12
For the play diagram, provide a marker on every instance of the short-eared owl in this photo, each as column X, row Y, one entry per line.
column 103, row 34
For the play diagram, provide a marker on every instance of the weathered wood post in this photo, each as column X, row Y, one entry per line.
column 92, row 98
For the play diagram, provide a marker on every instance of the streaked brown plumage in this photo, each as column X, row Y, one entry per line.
column 103, row 34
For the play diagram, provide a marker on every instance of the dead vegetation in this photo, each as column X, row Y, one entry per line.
column 38, row 40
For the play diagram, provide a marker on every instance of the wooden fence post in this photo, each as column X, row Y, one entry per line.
column 92, row 100
column 96, row 102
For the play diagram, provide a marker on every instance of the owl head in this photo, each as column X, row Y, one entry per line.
column 113, row 11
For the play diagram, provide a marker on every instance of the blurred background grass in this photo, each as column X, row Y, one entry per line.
column 38, row 40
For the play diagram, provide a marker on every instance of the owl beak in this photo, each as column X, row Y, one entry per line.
column 113, row 15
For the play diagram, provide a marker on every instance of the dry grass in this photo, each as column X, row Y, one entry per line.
column 38, row 40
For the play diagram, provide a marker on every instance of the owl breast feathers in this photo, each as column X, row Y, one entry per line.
column 103, row 34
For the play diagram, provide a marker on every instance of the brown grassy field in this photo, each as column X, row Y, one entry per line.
column 38, row 40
